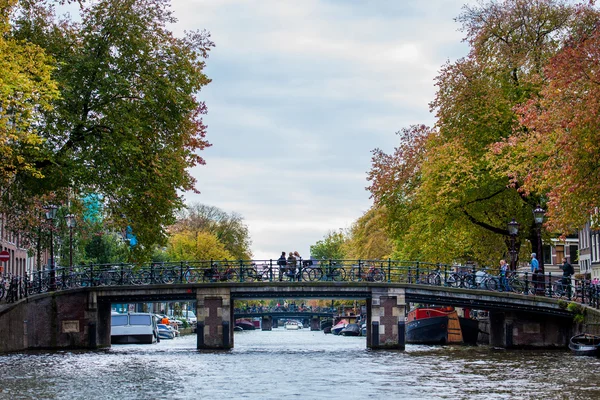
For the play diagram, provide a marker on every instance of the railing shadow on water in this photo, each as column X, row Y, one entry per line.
column 14, row 288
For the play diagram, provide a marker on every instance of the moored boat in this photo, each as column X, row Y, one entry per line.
column 585, row 345
column 337, row 328
column 245, row 325
column 328, row 323
column 292, row 325
column 350, row 330
column 165, row 332
column 440, row 325
column 133, row 328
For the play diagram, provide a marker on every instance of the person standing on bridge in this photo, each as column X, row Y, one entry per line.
column 503, row 279
column 291, row 264
column 281, row 262
column 568, row 270
column 536, row 279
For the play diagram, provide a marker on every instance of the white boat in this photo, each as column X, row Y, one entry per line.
column 133, row 328
column 292, row 325
column 165, row 332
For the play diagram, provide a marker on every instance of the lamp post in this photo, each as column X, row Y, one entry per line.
column 50, row 215
column 71, row 224
column 538, row 217
column 513, row 231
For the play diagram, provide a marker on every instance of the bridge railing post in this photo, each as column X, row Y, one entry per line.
column 91, row 274
column 549, row 283
column 241, row 271
column 417, row 274
column 526, row 283
column 445, row 274
column 474, row 277
column 583, row 289
column 152, row 273
column 271, row 270
column 389, row 272
column 181, row 272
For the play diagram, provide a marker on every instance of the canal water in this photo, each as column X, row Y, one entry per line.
column 301, row 364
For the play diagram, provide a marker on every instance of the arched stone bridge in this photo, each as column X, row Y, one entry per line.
column 80, row 316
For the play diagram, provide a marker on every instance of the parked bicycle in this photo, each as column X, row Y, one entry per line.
column 329, row 272
column 449, row 278
column 370, row 273
column 480, row 280
column 256, row 273
column 220, row 274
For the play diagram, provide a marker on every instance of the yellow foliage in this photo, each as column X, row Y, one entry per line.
column 187, row 246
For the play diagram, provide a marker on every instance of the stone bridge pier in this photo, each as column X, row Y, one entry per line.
column 266, row 323
column 215, row 319
column 386, row 310
column 515, row 329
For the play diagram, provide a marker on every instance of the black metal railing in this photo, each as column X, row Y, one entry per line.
column 13, row 288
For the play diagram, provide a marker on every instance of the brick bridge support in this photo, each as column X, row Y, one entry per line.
column 266, row 323
column 315, row 324
column 55, row 321
column 215, row 319
column 385, row 319
column 526, row 330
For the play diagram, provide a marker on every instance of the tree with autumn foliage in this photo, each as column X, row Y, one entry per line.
column 193, row 246
column 27, row 90
column 558, row 151
column 128, row 123
column 228, row 228
column 446, row 197
column 368, row 238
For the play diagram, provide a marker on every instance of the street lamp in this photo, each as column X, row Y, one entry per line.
column 513, row 231
column 50, row 215
column 538, row 217
column 71, row 222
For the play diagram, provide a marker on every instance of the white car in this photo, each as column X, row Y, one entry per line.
column 190, row 317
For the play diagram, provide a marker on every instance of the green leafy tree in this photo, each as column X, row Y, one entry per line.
column 128, row 122
column 368, row 238
column 26, row 91
column 332, row 247
column 229, row 229
column 191, row 246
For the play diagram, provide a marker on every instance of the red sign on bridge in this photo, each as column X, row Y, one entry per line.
column 4, row 256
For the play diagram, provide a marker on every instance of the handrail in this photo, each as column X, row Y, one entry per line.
column 13, row 288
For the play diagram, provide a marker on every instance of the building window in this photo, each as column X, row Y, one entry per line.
column 547, row 252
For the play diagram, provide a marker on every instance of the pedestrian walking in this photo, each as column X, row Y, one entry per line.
column 503, row 278
column 536, row 277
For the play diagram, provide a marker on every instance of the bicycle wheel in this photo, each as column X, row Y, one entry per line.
column 517, row 285
column 250, row 275
column 491, row 284
column 467, row 281
column 315, row 274
column 378, row 275
column 338, row 274
column 434, row 278
column 167, row 276
column 232, row 275
column 191, row 276
column 454, row 280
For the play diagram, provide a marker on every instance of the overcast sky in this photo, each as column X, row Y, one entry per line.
column 301, row 92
